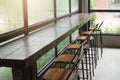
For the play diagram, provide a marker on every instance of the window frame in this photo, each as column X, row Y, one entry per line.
column 26, row 29
column 90, row 10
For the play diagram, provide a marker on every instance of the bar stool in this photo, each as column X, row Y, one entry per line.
column 63, row 59
column 87, row 54
column 98, row 30
column 87, row 51
column 82, row 38
column 93, row 43
column 70, row 56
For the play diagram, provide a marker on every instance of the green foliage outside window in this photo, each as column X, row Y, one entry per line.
column 5, row 73
column 63, row 44
column 45, row 59
column 74, row 35
column 92, row 4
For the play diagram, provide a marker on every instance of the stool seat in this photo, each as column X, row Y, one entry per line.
column 86, row 32
column 81, row 37
column 55, row 74
column 66, row 58
column 74, row 46
column 59, row 74
column 85, row 46
column 92, row 28
column 84, row 38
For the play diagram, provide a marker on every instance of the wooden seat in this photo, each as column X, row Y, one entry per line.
column 86, row 46
column 73, row 75
column 74, row 46
column 60, row 74
column 91, row 29
column 66, row 58
column 86, row 32
column 55, row 74
column 81, row 37
column 77, row 46
column 84, row 38
column 69, row 58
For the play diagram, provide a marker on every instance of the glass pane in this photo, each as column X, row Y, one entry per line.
column 45, row 59
column 5, row 73
column 11, row 15
column 74, row 35
column 63, row 44
column 74, row 5
column 105, row 4
column 62, row 7
column 111, row 22
column 39, row 10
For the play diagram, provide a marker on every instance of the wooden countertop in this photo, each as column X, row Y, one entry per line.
column 27, row 50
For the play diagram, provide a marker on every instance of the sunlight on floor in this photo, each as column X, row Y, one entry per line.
column 108, row 66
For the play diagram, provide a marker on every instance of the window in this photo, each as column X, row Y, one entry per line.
column 74, row 5
column 109, row 13
column 5, row 73
column 40, row 10
column 11, row 15
column 106, row 4
column 45, row 59
column 63, row 44
column 74, row 35
column 111, row 22
column 62, row 7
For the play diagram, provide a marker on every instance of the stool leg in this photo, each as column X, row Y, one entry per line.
column 95, row 51
column 97, row 45
column 101, row 43
column 78, row 77
column 90, row 64
column 86, row 63
column 92, row 59
column 83, row 74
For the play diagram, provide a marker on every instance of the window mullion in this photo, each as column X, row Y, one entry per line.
column 25, row 16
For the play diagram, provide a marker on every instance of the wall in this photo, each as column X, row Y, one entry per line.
column 111, row 41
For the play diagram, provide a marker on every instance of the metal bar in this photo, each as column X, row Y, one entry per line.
column 89, row 5
column 80, row 6
column 56, row 51
column 70, row 6
column 103, row 10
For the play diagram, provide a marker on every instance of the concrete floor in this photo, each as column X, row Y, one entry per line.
column 108, row 67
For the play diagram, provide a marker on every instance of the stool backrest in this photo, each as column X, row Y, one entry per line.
column 96, row 26
column 79, row 51
column 100, row 25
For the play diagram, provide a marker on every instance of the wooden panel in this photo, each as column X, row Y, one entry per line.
column 29, row 73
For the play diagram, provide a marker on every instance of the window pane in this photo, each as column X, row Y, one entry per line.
column 63, row 44
column 111, row 22
column 5, row 73
column 11, row 15
column 74, row 5
column 45, row 59
column 62, row 7
column 39, row 10
column 106, row 4
column 74, row 35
